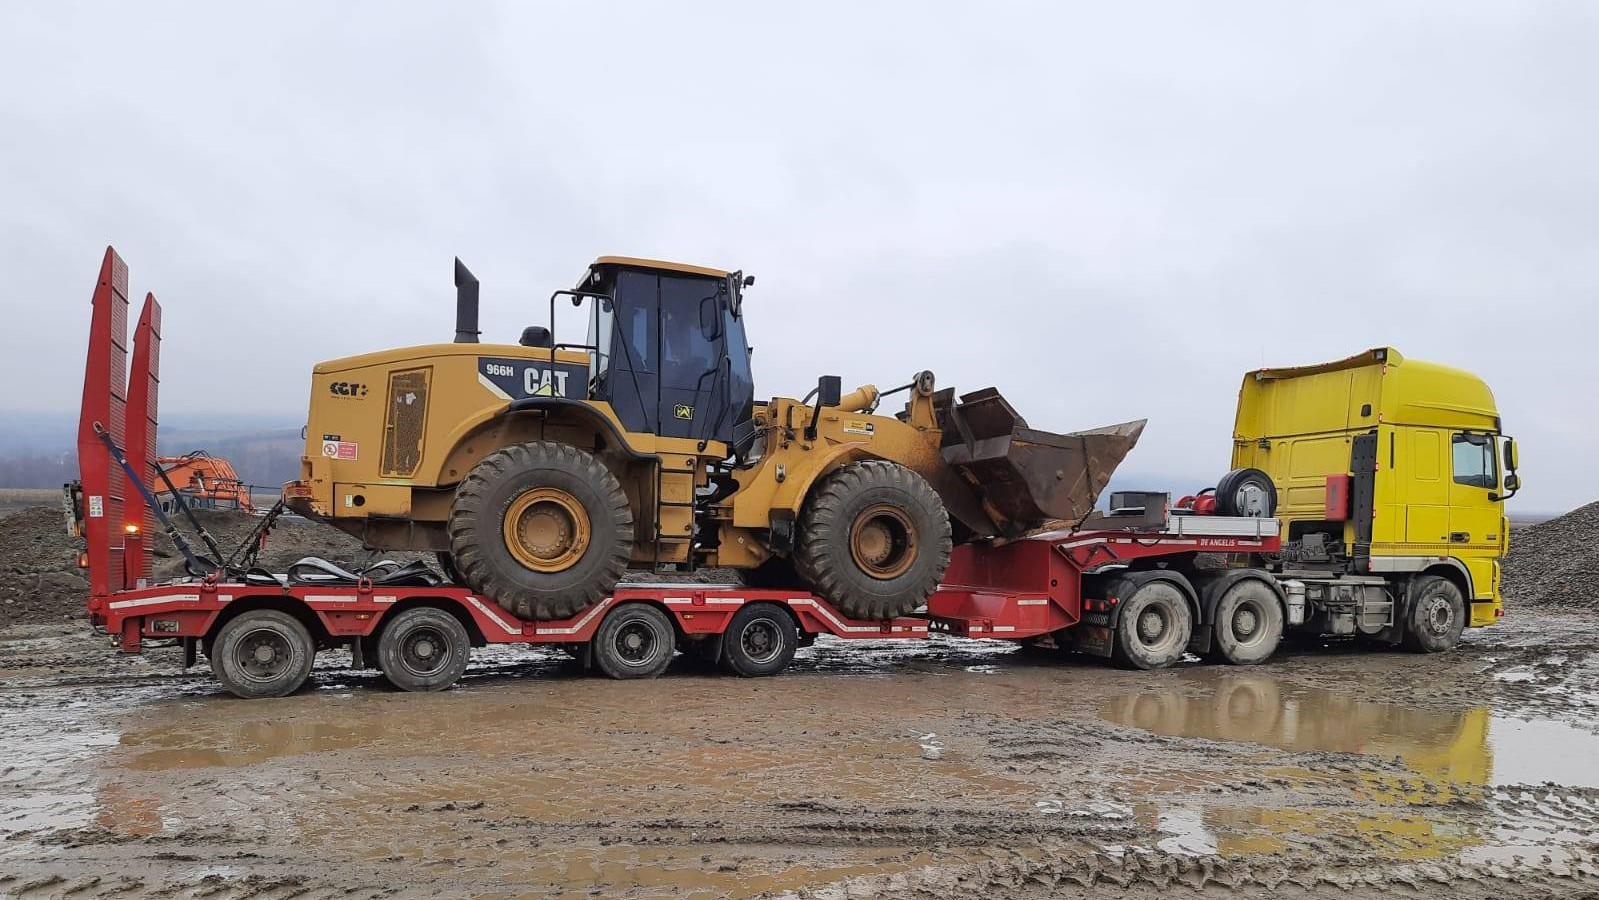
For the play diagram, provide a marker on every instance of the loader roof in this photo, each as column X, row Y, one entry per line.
column 638, row 262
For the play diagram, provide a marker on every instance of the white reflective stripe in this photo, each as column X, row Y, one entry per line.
column 152, row 601
column 330, row 598
column 726, row 601
column 1003, row 628
column 493, row 615
column 1036, row 601
column 578, row 626
column 827, row 614
column 225, row 598
column 677, row 601
column 385, row 599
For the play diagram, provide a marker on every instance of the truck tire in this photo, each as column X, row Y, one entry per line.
column 423, row 649
column 1248, row 624
column 1153, row 627
column 262, row 653
column 874, row 540
column 775, row 574
column 542, row 528
column 760, row 640
column 1435, row 615
column 636, row 640
column 1246, row 492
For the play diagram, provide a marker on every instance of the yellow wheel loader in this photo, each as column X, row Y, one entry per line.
column 541, row 471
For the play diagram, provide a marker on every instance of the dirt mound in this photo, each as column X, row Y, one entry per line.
column 1556, row 563
column 39, row 576
column 40, row 580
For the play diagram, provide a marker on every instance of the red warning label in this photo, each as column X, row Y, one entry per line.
column 339, row 449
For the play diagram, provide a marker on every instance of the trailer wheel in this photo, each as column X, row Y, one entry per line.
column 636, row 640
column 874, row 540
column 1437, row 615
column 1248, row 624
column 262, row 653
column 423, row 649
column 760, row 640
column 1154, row 626
column 542, row 528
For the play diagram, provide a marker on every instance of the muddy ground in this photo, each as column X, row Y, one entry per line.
column 912, row 769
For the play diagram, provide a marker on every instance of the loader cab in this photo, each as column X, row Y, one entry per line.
column 668, row 350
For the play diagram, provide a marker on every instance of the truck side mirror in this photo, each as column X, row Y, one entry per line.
column 1510, row 456
column 1512, row 482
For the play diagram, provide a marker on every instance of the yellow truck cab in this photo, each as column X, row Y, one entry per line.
column 1389, row 486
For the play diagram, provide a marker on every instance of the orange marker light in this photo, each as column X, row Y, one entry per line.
column 131, row 529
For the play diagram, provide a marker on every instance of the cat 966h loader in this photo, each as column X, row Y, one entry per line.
column 540, row 471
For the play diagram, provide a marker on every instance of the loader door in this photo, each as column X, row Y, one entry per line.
column 673, row 360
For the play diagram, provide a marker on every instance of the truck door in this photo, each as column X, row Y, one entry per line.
column 1475, row 520
column 691, row 356
column 1427, row 496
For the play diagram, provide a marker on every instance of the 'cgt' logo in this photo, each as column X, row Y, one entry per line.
column 347, row 389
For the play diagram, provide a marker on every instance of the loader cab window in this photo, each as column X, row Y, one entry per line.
column 1474, row 461
column 670, row 361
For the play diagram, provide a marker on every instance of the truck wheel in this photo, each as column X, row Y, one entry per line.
column 1248, row 624
column 423, row 649
column 1246, row 492
column 262, row 653
column 636, row 640
column 874, row 540
column 775, row 574
column 543, row 529
column 760, row 640
column 1154, row 626
column 1437, row 615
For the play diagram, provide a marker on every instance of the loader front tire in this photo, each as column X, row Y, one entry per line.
column 874, row 540
column 542, row 528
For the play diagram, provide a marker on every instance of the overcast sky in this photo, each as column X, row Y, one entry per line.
column 1109, row 211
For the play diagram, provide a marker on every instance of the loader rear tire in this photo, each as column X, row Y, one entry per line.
column 542, row 528
column 874, row 540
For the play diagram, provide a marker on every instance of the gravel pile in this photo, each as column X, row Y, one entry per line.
column 1555, row 563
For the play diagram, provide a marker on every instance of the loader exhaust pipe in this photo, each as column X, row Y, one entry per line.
column 466, row 331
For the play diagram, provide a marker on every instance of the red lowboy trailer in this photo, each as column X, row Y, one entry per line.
column 1139, row 584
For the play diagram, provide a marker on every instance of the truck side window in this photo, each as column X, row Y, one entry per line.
column 1474, row 462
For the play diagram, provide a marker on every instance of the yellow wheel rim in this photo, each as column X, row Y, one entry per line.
column 882, row 541
column 546, row 529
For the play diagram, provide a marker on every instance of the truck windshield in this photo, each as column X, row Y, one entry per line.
column 1475, row 463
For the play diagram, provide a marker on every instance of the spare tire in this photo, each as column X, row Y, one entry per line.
column 874, row 540
column 542, row 528
column 1246, row 492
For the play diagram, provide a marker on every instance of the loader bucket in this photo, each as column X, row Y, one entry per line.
column 1025, row 478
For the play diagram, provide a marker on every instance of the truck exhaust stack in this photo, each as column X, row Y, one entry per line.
column 466, row 330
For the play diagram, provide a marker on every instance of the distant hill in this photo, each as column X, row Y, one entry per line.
column 38, row 450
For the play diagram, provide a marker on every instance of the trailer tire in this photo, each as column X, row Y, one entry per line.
column 1435, row 615
column 874, row 540
column 1153, row 626
column 760, row 640
column 542, row 528
column 1246, row 492
column 423, row 649
column 1248, row 624
column 636, row 640
column 262, row 653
